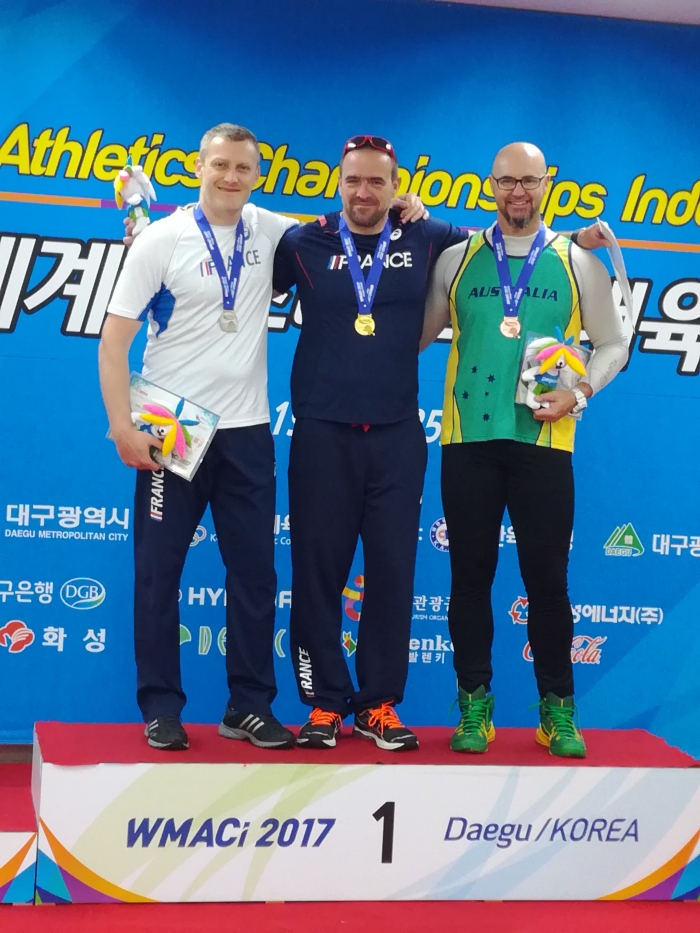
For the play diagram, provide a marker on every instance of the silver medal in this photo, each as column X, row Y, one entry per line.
column 228, row 321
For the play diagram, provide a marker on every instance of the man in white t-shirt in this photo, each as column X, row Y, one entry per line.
column 216, row 356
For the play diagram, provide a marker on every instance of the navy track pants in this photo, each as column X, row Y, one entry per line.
column 237, row 479
column 346, row 482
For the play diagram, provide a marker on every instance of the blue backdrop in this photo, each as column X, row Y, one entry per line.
column 612, row 104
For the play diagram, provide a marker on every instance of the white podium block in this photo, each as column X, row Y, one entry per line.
column 18, row 838
column 226, row 822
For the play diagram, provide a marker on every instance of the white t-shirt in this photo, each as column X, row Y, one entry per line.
column 169, row 278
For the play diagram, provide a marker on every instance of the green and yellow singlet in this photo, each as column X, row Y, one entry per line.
column 484, row 366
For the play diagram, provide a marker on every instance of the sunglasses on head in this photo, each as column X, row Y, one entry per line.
column 376, row 142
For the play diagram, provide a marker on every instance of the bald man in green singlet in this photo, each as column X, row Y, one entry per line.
column 513, row 279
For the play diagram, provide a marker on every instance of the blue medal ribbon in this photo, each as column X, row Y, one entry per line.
column 365, row 289
column 512, row 297
column 230, row 281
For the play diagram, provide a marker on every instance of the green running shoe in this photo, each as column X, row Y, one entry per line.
column 557, row 729
column 475, row 729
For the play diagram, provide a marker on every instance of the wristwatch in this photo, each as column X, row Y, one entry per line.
column 581, row 401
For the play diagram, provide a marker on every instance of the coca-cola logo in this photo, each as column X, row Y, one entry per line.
column 584, row 649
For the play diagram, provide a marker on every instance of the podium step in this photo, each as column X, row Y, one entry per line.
column 95, row 743
column 225, row 821
column 18, row 838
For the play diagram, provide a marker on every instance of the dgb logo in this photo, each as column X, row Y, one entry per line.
column 83, row 593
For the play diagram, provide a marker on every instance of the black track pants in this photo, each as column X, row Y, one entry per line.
column 479, row 480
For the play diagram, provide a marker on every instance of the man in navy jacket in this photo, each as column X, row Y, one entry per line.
column 358, row 452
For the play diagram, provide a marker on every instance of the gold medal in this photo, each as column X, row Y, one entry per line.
column 364, row 325
column 510, row 327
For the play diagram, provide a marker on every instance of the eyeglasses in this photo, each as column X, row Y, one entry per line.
column 376, row 142
column 529, row 182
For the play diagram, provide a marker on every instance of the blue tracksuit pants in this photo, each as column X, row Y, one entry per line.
column 237, row 479
column 346, row 483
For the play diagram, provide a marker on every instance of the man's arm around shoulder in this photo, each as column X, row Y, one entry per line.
column 284, row 274
column 602, row 320
column 437, row 306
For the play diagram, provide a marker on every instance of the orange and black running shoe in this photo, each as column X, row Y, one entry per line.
column 383, row 726
column 321, row 730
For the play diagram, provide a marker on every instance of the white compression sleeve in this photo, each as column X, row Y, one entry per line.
column 601, row 319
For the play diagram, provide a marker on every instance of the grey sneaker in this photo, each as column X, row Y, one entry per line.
column 264, row 730
column 166, row 733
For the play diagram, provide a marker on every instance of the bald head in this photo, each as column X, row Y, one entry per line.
column 519, row 159
column 519, row 180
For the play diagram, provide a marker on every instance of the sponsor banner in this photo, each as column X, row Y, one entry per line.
column 83, row 593
column 65, row 522
column 234, row 832
column 66, row 512
column 648, row 615
column 18, row 853
column 16, row 637
column 585, row 649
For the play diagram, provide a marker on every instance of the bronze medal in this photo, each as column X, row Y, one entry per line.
column 510, row 327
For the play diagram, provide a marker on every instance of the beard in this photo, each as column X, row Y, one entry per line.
column 365, row 220
column 520, row 222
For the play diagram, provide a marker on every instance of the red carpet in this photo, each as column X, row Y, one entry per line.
column 16, row 810
column 407, row 917
column 91, row 743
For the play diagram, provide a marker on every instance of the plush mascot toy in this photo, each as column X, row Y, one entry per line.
column 560, row 367
column 133, row 187
column 167, row 426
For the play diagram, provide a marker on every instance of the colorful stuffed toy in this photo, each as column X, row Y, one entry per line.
column 560, row 367
column 167, row 427
column 133, row 187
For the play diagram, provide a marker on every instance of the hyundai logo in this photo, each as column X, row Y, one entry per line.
column 83, row 593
